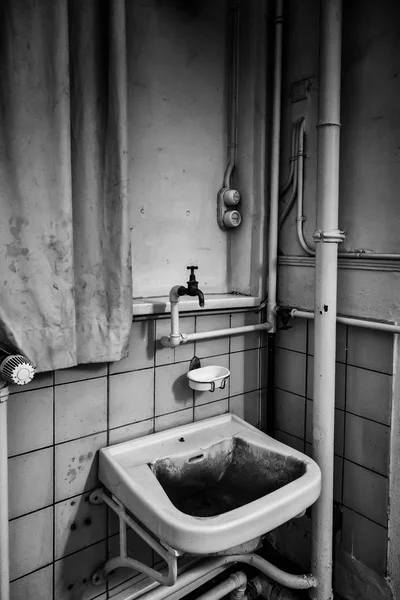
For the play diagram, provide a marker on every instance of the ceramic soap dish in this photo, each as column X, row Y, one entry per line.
column 208, row 379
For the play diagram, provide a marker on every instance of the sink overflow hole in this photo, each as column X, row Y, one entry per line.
column 196, row 458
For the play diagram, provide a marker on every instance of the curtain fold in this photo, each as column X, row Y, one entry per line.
column 66, row 291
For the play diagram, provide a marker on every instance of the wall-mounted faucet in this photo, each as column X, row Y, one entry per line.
column 192, row 289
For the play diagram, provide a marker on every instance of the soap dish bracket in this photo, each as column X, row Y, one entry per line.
column 170, row 555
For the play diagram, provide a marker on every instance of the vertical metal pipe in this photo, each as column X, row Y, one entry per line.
column 326, row 237
column 274, row 175
column 4, row 536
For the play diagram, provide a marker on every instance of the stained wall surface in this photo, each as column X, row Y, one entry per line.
column 369, row 154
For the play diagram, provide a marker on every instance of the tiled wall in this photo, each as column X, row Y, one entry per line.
column 59, row 421
column 362, row 430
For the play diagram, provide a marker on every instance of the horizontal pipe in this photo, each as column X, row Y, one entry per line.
column 218, row 333
column 295, row 582
column 234, row 581
column 302, row 314
column 271, row 591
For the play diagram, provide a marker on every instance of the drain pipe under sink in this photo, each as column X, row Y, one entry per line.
column 327, row 236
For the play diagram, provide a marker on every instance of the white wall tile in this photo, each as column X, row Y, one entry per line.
column 131, row 397
column 367, row 443
column 35, row 586
column 30, row 421
column 31, row 542
column 130, row 432
column 371, row 349
column 364, row 540
column 247, row 407
column 141, row 348
column 172, row 389
column 369, row 394
column 73, row 574
column 290, row 371
column 294, row 338
column 365, row 492
column 80, row 409
column 206, row 411
column 181, row 417
column 30, row 482
column 290, row 413
column 245, row 372
column 78, row 524
column 80, row 373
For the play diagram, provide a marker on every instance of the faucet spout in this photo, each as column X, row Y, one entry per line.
column 192, row 290
column 200, row 296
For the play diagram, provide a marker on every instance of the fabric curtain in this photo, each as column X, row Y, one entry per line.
column 66, row 281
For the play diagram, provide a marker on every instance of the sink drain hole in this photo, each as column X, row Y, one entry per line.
column 196, row 458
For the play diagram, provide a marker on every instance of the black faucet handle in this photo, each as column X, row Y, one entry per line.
column 192, row 269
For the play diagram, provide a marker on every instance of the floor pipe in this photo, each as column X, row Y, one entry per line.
column 235, row 581
column 327, row 237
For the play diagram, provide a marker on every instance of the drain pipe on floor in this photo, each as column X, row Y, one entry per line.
column 273, row 212
column 327, row 236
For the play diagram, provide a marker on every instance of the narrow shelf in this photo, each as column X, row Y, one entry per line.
column 161, row 304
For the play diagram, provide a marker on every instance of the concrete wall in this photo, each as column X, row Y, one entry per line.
column 370, row 154
column 178, row 62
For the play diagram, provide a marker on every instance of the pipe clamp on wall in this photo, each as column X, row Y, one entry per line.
column 332, row 236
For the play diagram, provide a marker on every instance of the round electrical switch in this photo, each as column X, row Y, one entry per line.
column 232, row 218
column 231, row 197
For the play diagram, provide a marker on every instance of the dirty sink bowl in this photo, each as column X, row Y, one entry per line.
column 211, row 485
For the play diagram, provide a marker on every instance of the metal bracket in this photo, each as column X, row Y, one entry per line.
column 123, row 560
column 333, row 236
column 194, row 363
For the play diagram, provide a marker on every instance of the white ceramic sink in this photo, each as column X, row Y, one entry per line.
column 211, row 485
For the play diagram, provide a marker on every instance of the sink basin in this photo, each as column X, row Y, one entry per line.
column 209, row 486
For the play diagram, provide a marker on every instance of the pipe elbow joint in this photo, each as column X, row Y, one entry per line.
column 171, row 341
column 174, row 294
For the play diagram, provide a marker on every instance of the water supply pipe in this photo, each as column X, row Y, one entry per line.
column 236, row 581
column 234, row 93
column 4, row 535
column 351, row 321
column 274, row 174
column 327, row 236
column 273, row 216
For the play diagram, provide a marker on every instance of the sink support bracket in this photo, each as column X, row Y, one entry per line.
column 170, row 555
